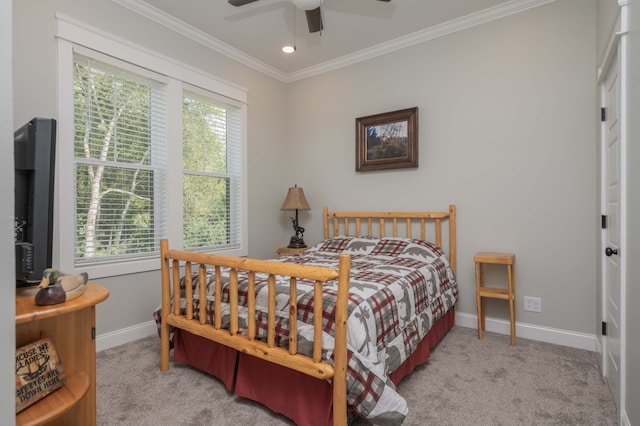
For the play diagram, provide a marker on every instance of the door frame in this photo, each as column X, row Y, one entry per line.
column 617, row 45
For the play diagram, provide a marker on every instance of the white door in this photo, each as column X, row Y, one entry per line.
column 611, row 238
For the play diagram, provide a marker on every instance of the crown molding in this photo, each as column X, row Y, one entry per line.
column 497, row 12
column 455, row 25
column 150, row 12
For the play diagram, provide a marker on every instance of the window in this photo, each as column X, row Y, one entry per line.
column 210, row 157
column 120, row 162
column 129, row 183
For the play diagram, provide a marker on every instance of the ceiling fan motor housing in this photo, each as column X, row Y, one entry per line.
column 307, row 4
column 311, row 8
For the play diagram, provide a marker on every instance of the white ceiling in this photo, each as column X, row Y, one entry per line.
column 353, row 29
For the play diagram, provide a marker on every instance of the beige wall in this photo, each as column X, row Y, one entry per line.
column 506, row 133
column 604, row 20
column 133, row 298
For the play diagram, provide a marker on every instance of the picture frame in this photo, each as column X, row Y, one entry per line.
column 387, row 141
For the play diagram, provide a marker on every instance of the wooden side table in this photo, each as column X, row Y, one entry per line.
column 508, row 293
column 290, row 250
column 71, row 326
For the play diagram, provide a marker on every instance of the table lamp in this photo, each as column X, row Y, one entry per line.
column 296, row 201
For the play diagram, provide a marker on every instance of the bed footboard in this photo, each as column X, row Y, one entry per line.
column 175, row 263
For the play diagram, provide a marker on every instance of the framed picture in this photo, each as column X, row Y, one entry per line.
column 387, row 141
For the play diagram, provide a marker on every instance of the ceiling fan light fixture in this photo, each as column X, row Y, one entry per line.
column 289, row 49
column 307, row 4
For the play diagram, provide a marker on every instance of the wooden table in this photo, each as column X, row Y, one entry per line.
column 290, row 250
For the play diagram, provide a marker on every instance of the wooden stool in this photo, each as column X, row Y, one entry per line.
column 493, row 292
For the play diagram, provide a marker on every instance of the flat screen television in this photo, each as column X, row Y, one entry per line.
column 34, row 161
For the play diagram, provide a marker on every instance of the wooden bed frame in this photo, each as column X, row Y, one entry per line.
column 175, row 263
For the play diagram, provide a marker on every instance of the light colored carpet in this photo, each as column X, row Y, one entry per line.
column 465, row 382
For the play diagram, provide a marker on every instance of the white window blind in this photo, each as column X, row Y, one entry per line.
column 123, row 184
column 119, row 162
column 211, row 148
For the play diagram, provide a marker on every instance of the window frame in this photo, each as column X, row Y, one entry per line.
column 76, row 36
column 233, row 169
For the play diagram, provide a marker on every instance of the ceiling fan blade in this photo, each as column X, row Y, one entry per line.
column 314, row 20
column 240, row 2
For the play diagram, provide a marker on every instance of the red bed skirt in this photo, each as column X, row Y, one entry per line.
column 304, row 399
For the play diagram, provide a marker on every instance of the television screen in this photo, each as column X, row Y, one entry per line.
column 34, row 161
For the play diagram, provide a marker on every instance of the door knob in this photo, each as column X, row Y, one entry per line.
column 609, row 251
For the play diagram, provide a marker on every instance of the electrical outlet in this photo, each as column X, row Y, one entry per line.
column 532, row 304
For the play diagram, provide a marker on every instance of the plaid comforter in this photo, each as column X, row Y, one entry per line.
column 399, row 287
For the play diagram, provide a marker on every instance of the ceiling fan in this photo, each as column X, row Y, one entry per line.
column 311, row 8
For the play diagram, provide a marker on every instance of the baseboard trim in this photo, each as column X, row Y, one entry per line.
column 125, row 335
column 598, row 348
column 530, row 331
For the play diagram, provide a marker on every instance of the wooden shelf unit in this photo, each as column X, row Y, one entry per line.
column 71, row 326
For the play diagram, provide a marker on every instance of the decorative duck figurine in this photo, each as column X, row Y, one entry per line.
column 55, row 289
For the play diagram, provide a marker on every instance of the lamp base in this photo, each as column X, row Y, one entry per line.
column 296, row 242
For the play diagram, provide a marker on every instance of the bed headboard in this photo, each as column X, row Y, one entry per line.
column 379, row 223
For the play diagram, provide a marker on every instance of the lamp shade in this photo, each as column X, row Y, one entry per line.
column 295, row 200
